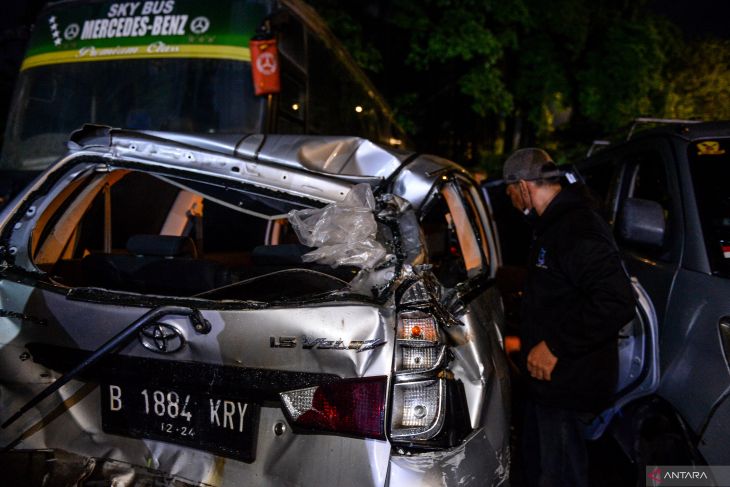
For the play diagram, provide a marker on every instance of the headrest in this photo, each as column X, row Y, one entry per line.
column 161, row 246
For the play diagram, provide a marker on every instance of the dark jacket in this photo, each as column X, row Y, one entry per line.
column 577, row 298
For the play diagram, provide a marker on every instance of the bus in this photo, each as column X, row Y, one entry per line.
column 182, row 66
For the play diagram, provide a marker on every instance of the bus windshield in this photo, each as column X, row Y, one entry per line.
column 182, row 95
column 177, row 65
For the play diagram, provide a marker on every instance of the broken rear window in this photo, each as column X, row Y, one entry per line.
column 139, row 232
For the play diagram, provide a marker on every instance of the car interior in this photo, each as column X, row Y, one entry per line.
column 187, row 236
column 140, row 232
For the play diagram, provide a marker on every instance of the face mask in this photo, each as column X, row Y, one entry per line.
column 530, row 216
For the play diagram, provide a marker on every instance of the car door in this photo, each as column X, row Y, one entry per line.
column 695, row 332
column 648, row 173
column 612, row 178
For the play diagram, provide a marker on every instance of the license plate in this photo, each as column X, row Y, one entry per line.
column 223, row 426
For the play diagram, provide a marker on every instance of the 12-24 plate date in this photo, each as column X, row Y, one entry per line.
column 180, row 430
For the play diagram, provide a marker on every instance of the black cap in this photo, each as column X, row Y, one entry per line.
column 529, row 164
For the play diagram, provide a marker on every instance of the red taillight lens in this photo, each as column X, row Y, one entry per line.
column 354, row 407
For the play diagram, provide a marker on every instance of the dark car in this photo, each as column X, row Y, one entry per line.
column 666, row 193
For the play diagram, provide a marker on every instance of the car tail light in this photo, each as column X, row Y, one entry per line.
column 418, row 338
column 416, row 325
column 354, row 407
column 418, row 410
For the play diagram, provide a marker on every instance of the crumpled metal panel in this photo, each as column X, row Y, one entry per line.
column 345, row 156
column 238, row 337
column 62, row 468
column 480, row 362
column 415, row 181
column 48, row 175
column 70, row 419
column 475, row 462
column 333, row 155
column 287, row 459
column 256, row 172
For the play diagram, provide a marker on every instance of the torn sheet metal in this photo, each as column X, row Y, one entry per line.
column 71, row 420
column 464, row 465
column 284, row 459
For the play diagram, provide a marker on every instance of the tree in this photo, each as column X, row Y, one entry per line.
column 586, row 68
column 699, row 82
column 473, row 79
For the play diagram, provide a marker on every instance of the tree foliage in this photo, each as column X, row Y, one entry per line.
column 472, row 79
column 623, row 75
column 699, row 82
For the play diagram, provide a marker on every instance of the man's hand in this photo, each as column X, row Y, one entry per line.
column 541, row 361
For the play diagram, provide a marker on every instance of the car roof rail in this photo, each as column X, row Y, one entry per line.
column 596, row 145
column 662, row 121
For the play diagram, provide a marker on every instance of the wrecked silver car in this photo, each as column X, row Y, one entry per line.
column 250, row 310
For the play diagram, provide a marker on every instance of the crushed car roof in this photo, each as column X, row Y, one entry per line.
column 331, row 155
column 319, row 167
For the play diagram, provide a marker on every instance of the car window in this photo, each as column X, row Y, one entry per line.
column 710, row 166
column 602, row 181
column 649, row 181
column 291, row 39
column 598, row 178
column 646, row 178
column 183, row 238
column 451, row 242
column 478, row 216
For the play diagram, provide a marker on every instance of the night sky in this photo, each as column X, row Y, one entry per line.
column 698, row 18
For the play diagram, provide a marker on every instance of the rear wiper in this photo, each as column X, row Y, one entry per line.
column 200, row 325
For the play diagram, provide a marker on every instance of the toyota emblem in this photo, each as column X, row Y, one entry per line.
column 161, row 338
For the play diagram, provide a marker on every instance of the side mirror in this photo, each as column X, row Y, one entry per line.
column 642, row 222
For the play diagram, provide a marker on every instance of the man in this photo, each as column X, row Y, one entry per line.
column 577, row 297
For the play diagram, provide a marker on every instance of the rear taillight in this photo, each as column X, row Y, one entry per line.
column 427, row 405
column 418, row 406
column 418, row 410
column 352, row 407
column 419, row 343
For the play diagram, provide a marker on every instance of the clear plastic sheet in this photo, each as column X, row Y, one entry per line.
column 395, row 207
column 344, row 232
